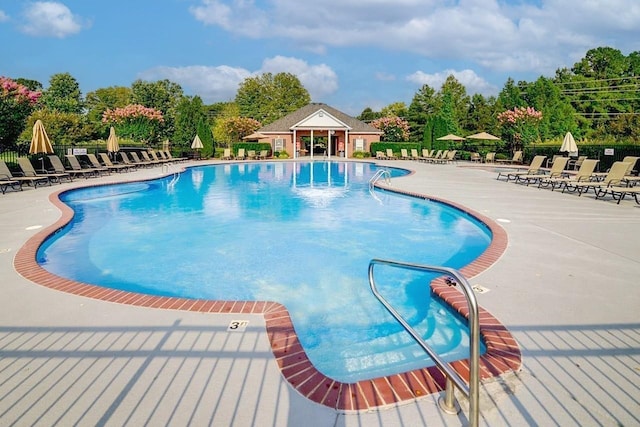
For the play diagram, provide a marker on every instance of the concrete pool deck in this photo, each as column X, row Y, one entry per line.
column 565, row 288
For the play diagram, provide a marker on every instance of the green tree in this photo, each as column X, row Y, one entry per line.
column 32, row 85
column 510, row 96
column 190, row 113
column 161, row 95
column 16, row 104
column 482, row 114
column 368, row 115
column 206, row 136
column 454, row 94
column 267, row 98
column 220, row 134
column 100, row 100
column 422, row 106
column 559, row 116
column 62, row 128
column 395, row 129
column 63, row 94
column 395, row 109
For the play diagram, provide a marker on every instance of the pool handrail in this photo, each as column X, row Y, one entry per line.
column 471, row 391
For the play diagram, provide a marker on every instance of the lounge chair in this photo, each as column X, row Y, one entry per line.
column 240, row 155
column 58, row 167
column 175, row 159
column 414, row 154
column 435, row 157
column 583, row 175
column 6, row 182
column 129, row 162
column 517, row 158
column 451, row 157
column 628, row 159
column 262, row 154
column 613, row 178
column 534, row 168
column 576, row 163
column 95, row 164
column 426, row 154
column 28, row 170
column 490, row 158
column 618, row 192
column 145, row 158
column 108, row 163
column 380, row 155
column 155, row 155
column 137, row 161
column 251, row 154
column 226, row 154
column 404, row 154
column 77, row 169
column 7, row 175
column 390, row 155
column 475, row 158
column 556, row 171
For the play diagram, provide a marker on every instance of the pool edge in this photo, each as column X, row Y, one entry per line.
column 502, row 356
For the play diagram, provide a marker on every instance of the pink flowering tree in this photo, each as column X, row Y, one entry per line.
column 16, row 104
column 520, row 126
column 135, row 122
column 395, row 129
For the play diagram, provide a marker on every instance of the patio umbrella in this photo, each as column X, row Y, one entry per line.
column 197, row 143
column 569, row 145
column 451, row 137
column 40, row 141
column 255, row 135
column 483, row 136
column 112, row 141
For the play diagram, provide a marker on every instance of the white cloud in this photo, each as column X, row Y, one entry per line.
column 472, row 82
column 212, row 84
column 220, row 83
column 319, row 80
column 3, row 16
column 50, row 19
column 499, row 35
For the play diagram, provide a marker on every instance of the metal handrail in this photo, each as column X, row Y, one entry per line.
column 471, row 391
column 379, row 174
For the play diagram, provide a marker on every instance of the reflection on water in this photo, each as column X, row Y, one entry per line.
column 298, row 233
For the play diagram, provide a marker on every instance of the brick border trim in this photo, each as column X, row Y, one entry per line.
column 502, row 356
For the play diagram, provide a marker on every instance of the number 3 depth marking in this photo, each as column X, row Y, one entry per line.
column 237, row 325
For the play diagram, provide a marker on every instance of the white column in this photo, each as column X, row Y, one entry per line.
column 295, row 145
column 346, row 143
column 311, row 147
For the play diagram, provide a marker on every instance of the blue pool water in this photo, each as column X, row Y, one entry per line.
column 301, row 234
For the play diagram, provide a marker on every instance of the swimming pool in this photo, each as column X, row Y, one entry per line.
column 303, row 232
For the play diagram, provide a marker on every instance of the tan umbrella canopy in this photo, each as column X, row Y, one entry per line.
column 255, row 135
column 40, row 142
column 197, row 143
column 112, row 141
column 451, row 137
column 569, row 145
column 484, row 136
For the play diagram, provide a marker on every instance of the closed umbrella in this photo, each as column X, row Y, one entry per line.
column 569, row 145
column 197, row 144
column 112, row 141
column 40, row 141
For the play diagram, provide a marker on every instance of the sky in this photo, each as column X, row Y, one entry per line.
column 350, row 54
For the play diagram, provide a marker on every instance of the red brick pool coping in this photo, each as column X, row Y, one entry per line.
column 502, row 352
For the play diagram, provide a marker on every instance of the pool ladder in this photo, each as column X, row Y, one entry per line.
column 166, row 168
column 472, row 391
column 380, row 174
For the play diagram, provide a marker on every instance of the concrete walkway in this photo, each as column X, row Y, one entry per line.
column 565, row 288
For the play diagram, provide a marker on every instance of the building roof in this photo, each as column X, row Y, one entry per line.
column 294, row 119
